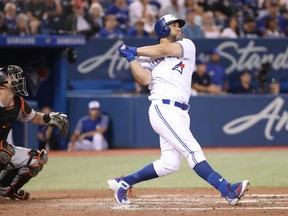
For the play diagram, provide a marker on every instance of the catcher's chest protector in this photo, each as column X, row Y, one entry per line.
column 8, row 116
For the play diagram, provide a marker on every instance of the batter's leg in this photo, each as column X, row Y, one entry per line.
column 174, row 126
column 168, row 163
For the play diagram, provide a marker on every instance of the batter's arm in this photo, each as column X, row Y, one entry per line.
column 141, row 75
column 161, row 50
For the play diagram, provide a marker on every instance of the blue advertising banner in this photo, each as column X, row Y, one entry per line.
column 42, row 41
column 99, row 58
column 226, row 120
column 240, row 120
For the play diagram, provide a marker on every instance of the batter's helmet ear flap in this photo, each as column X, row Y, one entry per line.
column 161, row 29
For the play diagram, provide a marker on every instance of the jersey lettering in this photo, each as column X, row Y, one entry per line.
column 157, row 61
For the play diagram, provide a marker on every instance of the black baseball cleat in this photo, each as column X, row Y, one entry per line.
column 20, row 195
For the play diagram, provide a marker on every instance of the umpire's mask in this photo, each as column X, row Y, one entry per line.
column 18, row 82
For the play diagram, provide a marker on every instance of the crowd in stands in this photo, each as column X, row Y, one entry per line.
column 136, row 18
column 210, row 78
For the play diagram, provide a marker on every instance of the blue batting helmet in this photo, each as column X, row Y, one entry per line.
column 161, row 27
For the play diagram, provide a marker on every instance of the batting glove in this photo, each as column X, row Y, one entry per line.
column 128, row 52
column 133, row 50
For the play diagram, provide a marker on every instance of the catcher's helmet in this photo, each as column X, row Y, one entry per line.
column 161, row 27
column 14, row 73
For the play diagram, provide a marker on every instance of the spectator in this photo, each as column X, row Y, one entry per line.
column 22, row 26
column 190, row 4
column 271, row 29
column 81, row 22
column 3, row 27
column 249, row 9
column 96, row 13
column 49, row 137
column 201, row 81
column 2, row 4
column 209, row 28
column 249, row 28
column 274, row 86
column 90, row 129
column 120, row 10
column 20, row 5
column 110, row 29
column 67, row 10
column 224, row 7
column 272, row 10
column 222, row 10
column 232, row 31
column 190, row 30
column 10, row 16
column 105, row 4
column 35, row 10
column 53, row 16
column 137, row 31
column 216, row 71
column 198, row 18
column 176, row 8
column 245, row 84
column 142, row 9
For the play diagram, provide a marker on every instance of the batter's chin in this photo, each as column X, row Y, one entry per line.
column 173, row 37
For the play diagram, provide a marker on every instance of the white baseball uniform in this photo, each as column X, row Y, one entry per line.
column 170, row 92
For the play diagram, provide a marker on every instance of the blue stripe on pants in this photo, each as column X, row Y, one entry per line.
column 175, row 134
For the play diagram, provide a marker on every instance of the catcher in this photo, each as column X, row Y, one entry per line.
column 18, row 165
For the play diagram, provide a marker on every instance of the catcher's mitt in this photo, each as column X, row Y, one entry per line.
column 59, row 120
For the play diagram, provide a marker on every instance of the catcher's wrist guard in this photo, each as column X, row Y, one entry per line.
column 46, row 118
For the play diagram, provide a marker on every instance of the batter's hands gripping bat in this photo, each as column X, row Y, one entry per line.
column 128, row 52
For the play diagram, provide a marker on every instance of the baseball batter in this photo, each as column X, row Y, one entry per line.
column 18, row 165
column 167, row 68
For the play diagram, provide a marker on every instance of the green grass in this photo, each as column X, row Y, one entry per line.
column 263, row 169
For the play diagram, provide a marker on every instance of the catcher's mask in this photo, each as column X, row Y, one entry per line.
column 14, row 74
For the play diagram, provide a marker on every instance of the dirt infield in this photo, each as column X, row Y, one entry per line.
column 148, row 202
column 178, row 202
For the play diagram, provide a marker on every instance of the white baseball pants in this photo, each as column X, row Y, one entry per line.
column 176, row 140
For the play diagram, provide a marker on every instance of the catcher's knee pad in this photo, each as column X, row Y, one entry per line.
column 7, row 151
column 36, row 161
column 17, row 178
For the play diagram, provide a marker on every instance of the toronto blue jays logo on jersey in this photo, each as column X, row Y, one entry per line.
column 179, row 67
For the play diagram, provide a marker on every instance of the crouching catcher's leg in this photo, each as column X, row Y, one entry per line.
column 17, row 178
column 7, row 151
